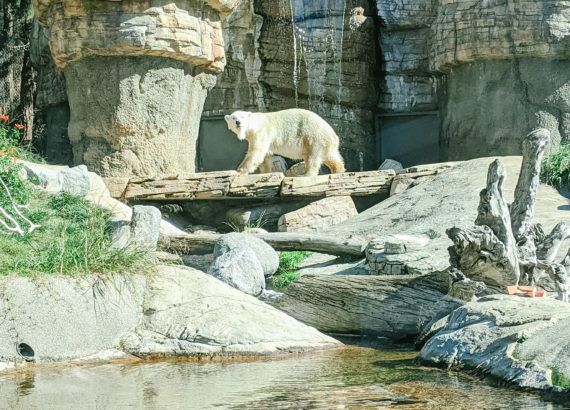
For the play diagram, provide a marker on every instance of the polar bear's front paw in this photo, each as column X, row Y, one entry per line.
column 242, row 171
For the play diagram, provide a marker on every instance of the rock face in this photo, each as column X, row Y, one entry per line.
column 188, row 313
column 397, row 79
column 520, row 340
column 308, row 55
column 122, row 122
column 396, row 307
column 175, row 311
column 319, row 214
column 62, row 318
column 449, row 199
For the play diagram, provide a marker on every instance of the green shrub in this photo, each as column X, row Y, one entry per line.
column 288, row 263
column 70, row 234
column 556, row 167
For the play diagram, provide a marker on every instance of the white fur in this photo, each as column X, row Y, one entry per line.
column 293, row 133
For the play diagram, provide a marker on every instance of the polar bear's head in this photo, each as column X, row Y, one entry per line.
column 237, row 122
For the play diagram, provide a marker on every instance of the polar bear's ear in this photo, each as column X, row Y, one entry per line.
column 227, row 118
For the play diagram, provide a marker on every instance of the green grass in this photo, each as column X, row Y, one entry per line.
column 558, row 379
column 73, row 236
column 288, row 263
column 555, row 168
column 73, row 239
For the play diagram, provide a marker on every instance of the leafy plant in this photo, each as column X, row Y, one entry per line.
column 288, row 264
column 555, row 169
column 259, row 222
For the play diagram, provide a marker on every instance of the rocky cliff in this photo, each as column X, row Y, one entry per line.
column 414, row 80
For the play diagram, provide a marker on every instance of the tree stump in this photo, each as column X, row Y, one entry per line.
column 504, row 248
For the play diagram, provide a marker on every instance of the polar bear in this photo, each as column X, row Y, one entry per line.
column 294, row 133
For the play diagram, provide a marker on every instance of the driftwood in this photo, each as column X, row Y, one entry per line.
column 281, row 241
column 392, row 306
column 504, row 248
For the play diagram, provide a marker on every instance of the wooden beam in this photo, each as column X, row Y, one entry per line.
column 347, row 183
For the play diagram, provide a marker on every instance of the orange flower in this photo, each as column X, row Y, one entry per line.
column 19, row 126
column 14, row 159
column 10, row 152
column 4, row 117
column 1, row 152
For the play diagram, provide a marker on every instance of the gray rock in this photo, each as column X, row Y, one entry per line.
column 391, row 164
column 449, row 199
column 142, row 232
column 63, row 318
column 521, row 340
column 55, row 179
column 76, row 181
column 240, row 269
column 46, row 177
column 334, row 268
column 265, row 254
column 401, row 255
column 189, row 313
column 186, row 313
column 145, row 226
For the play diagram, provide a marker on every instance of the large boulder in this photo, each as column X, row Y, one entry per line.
column 267, row 257
column 189, row 313
column 176, row 311
column 521, row 340
column 56, row 318
column 136, row 78
column 240, row 269
column 450, row 199
column 392, row 306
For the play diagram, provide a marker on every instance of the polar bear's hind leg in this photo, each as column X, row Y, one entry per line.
column 266, row 165
column 335, row 162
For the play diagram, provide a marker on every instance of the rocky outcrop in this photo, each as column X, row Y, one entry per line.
column 449, row 199
column 138, row 89
column 520, row 340
column 188, row 313
column 61, row 318
column 175, row 311
column 394, row 306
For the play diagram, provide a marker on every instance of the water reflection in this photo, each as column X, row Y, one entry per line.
column 352, row 377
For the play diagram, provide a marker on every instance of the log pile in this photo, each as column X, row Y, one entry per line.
column 504, row 248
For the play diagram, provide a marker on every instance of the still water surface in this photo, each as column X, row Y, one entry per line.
column 348, row 378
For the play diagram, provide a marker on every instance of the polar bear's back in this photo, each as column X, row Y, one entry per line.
column 295, row 126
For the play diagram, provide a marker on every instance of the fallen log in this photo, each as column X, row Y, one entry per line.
column 393, row 306
column 280, row 241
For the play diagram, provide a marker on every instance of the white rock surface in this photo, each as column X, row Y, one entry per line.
column 520, row 340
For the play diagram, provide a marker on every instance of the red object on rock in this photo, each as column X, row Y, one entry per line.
column 530, row 291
